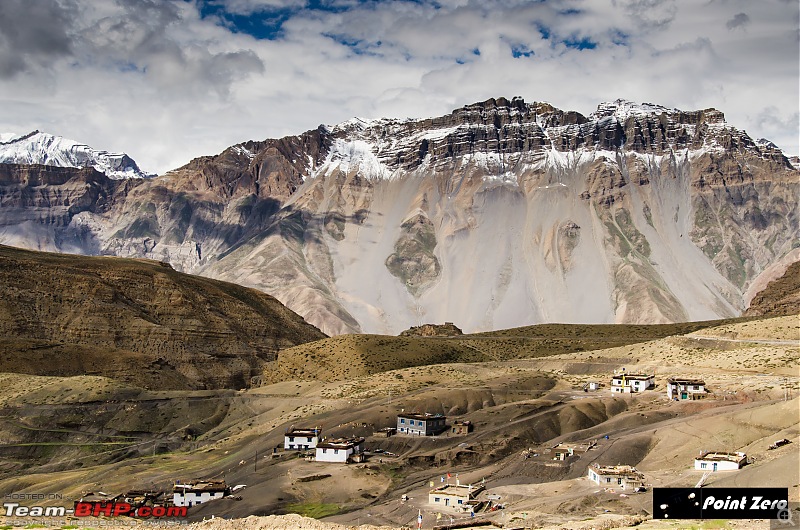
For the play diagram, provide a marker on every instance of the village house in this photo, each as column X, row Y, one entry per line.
column 142, row 497
column 340, row 450
column 563, row 451
column 301, row 439
column 623, row 477
column 100, row 497
column 197, row 492
column 385, row 432
column 421, row 424
column 720, row 461
column 681, row 388
column 460, row 427
column 625, row 383
column 455, row 495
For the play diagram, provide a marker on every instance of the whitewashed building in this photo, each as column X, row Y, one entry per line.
column 681, row 388
column 720, row 461
column 455, row 495
column 621, row 477
column 301, row 439
column 421, row 424
column 625, row 383
column 339, row 450
column 197, row 492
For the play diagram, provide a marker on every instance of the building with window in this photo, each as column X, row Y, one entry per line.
column 681, row 388
column 625, row 383
column 197, row 492
column 341, row 450
column 563, row 450
column 617, row 477
column 460, row 427
column 454, row 495
column 421, row 424
column 301, row 439
column 720, row 461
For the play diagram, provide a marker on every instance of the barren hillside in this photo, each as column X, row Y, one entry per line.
column 137, row 321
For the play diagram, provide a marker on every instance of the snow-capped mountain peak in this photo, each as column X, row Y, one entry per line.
column 622, row 109
column 50, row 150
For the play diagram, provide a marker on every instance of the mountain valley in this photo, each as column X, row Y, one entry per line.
column 157, row 329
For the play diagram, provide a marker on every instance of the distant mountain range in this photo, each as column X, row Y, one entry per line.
column 46, row 149
column 500, row 214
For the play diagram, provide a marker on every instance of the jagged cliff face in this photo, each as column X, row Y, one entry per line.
column 500, row 214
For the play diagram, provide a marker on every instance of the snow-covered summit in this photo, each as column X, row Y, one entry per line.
column 622, row 109
column 49, row 150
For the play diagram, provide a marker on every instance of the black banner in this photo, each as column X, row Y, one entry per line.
column 719, row 503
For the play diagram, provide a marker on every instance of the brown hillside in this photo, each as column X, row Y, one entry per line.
column 349, row 356
column 780, row 297
column 136, row 320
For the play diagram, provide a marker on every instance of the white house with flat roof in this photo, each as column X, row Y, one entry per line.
column 720, row 461
column 683, row 388
column 301, row 439
column 622, row 477
column 339, row 450
column 197, row 492
column 454, row 495
column 625, row 383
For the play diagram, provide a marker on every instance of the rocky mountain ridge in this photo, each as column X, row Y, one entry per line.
column 49, row 150
column 500, row 214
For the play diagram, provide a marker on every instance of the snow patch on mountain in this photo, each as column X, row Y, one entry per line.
column 50, row 150
column 355, row 155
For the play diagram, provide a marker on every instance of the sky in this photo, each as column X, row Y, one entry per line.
column 169, row 80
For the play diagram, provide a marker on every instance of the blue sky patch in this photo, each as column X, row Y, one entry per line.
column 261, row 25
column 544, row 31
column 584, row 43
column 266, row 23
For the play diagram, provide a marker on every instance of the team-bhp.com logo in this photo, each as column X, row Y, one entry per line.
column 95, row 509
column 118, row 509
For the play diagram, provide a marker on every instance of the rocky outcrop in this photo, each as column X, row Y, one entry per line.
column 413, row 261
column 448, row 329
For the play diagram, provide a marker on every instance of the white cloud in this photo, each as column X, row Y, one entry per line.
column 248, row 7
column 155, row 79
